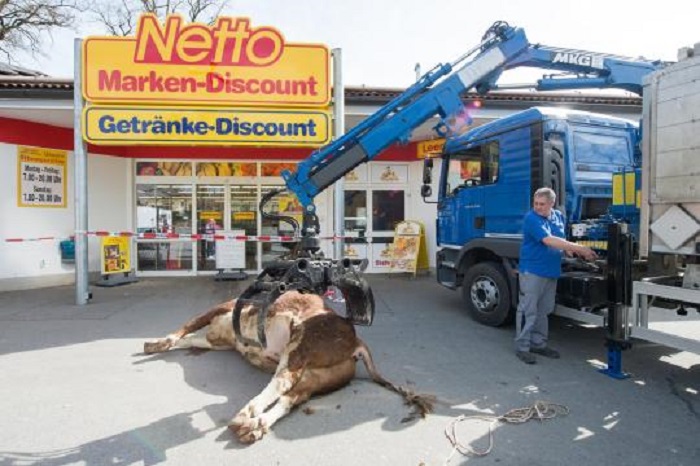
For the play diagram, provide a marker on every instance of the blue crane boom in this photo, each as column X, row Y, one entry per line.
column 439, row 93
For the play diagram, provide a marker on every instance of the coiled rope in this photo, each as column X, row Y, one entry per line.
column 540, row 410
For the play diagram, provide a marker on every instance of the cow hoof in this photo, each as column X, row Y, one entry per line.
column 156, row 346
column 248, row 431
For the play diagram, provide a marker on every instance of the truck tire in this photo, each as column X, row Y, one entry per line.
column 486, row 294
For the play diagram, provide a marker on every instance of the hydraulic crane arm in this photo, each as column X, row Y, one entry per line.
column 581, row 70
column 395, row 121
column 439, row 92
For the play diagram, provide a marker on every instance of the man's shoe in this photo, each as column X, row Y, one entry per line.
column 526, row 357
column 546, row 352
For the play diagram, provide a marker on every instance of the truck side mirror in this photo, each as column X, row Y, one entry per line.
column 426, row 190
column 427, row 170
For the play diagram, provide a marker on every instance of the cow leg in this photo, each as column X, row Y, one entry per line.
column 310, row 381
column 248, row 424
column 189, row 341
column 198, row 342
column 198, row 322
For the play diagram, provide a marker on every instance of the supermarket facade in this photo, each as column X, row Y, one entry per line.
column 186, row 189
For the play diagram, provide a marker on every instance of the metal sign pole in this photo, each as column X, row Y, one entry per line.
column 82, row 293
column 338, row 130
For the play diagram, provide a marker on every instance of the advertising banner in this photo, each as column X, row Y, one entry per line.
column 430, row 148
column 230, row 254
column 381, row 256
column 409, row 251
column 228, row 63
column 115, row 254
column 227, row 169
column 41, row 177
column 163, row 169
column 175, row 126
column 390, row 173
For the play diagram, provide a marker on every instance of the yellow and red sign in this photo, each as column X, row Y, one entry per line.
column 115, row 257
column 228, row 63
column 185, row 125
column 41, row 177
column 430, row 148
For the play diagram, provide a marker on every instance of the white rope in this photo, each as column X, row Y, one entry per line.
column 540, row 410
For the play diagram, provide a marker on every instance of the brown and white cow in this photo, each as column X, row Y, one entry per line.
column 310, row 349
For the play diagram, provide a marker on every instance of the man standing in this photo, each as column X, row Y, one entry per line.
column 540, row 267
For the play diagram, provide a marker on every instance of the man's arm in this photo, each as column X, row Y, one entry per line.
column 567, row 246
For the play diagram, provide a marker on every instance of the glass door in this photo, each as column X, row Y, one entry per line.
column 211, row 203
column 370, row 218
column 164, row 208
column 244, row 216
column 271, row 227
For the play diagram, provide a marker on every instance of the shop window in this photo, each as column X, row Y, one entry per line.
column 162, row 208
column 164, row 255
column 356, row 212
column 164, row 169
column 475, row 166
column 218, row 169
column 274, row 227
column 276, row 168
column 388, row 209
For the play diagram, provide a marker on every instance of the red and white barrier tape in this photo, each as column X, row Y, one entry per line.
column 21, row 240
column 193, row 237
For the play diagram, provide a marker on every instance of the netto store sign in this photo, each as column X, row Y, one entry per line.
column 173, row 126
column 230, row 64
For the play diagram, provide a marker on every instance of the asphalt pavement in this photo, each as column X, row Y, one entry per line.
column 75, row 388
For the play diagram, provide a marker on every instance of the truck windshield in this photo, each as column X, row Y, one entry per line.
column 596, row 148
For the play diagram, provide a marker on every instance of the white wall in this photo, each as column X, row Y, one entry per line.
column 420, row 210
column 38, row 263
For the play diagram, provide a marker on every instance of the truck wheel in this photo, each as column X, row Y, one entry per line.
column 486, row 294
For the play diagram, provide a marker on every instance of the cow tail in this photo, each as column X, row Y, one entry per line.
column 421, row 404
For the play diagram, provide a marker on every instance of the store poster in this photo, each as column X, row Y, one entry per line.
column 389, row 173
column 116, row 253
column 470, row 170
column 230, row 253
column 227, row 169
column 163, row 169
column 41, row 177
column 355, row 251
column 276, row 168
column 409, row 250
column 290, row 206
column 382, row 256
column 357, row 174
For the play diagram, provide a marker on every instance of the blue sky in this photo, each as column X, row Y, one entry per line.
column 382, row 41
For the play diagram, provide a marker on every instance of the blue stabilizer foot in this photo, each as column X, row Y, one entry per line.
column 614, row 368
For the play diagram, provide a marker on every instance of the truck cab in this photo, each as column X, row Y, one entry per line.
column 488, row 177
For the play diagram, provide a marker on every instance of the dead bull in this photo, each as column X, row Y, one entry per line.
column 310, row 349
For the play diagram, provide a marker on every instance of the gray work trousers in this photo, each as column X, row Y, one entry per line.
column 536, row 302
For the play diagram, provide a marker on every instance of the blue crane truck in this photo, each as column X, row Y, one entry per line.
column 630, row 192
column 489, row 175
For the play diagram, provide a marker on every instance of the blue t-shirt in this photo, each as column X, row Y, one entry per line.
column 535, row 256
